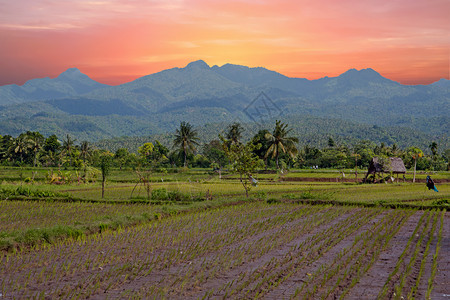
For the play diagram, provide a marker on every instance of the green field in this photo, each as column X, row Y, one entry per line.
column 195, row 235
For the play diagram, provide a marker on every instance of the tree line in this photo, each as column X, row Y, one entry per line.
column 276, row 149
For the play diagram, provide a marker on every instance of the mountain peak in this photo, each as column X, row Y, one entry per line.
column 368, row 74
column 72, row 70
column 442, row 83
column 200, row 64
column 71, row 73
column 362, row 71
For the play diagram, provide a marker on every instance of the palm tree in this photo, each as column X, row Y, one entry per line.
column 415, row 153
column 68, row 146
column 234, row 133
column 21, row 145
column 395, row 150
column 6, row 143
column 433, row 147
column 36, row 141
column 279, row 141
column 85, row 151
column 186, row 139
column 50, row 158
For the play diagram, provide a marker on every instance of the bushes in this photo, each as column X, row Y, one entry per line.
column 163, row 194
column 27, row 192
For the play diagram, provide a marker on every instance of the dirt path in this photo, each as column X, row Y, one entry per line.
column 288, row 287
column 373, row 281
column 441, row 288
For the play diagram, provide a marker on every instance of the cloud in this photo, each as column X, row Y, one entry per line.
column 284, row 35
column 75, row 14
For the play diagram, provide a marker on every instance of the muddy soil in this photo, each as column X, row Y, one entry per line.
column 272, row 252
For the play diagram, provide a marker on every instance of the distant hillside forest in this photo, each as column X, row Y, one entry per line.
column 311, row 131
column 354, row 106
column 277, row 147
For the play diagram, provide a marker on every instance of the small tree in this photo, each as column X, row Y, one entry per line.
column 52, row 144
column 121, row 156
column 243, row 161
column 146, row 151
column 105, row 164
column 331, row 142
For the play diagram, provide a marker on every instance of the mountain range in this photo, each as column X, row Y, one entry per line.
column 214, row 96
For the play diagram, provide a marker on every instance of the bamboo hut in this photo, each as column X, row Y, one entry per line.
column 378, row 167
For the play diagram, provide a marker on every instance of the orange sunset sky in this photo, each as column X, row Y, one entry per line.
column 116, row 41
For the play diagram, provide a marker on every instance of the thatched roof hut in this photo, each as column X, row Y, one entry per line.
column 398, row 167
column 378, row 166
column 393, row 164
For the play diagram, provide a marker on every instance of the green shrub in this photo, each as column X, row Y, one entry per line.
column 261, row 195
column 164, row 195
column 27, row 192
column 160, row 194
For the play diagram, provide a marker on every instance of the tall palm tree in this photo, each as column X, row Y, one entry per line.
column 185, row 139
column 279, row 141
column 36, row 141
column 85, row 151
column 68, row 145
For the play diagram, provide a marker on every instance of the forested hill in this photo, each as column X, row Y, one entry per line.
column 209, row 97
column 313, row 131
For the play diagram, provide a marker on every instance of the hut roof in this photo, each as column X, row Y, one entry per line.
column 397, row 165
column 377, row 165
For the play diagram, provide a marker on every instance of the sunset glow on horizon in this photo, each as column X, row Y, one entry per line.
column 117, row 41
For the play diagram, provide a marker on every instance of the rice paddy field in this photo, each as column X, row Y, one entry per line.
column 192, row 235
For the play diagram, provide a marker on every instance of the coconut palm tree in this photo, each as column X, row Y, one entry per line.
column 279, row 141
column 85, row 151
column 234, row 133
column 21, row 145
column 6, row 143
column 186, row 139
column 415, row 153
column 433, row 147
column 36, row 142
column 68, row 145
column 50, row 158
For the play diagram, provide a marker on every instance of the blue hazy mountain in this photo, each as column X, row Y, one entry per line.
column 200, row 94
column 68, row 84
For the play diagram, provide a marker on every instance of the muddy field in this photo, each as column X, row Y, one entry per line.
column 254, row 250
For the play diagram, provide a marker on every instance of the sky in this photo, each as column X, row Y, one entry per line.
column 117, row 41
